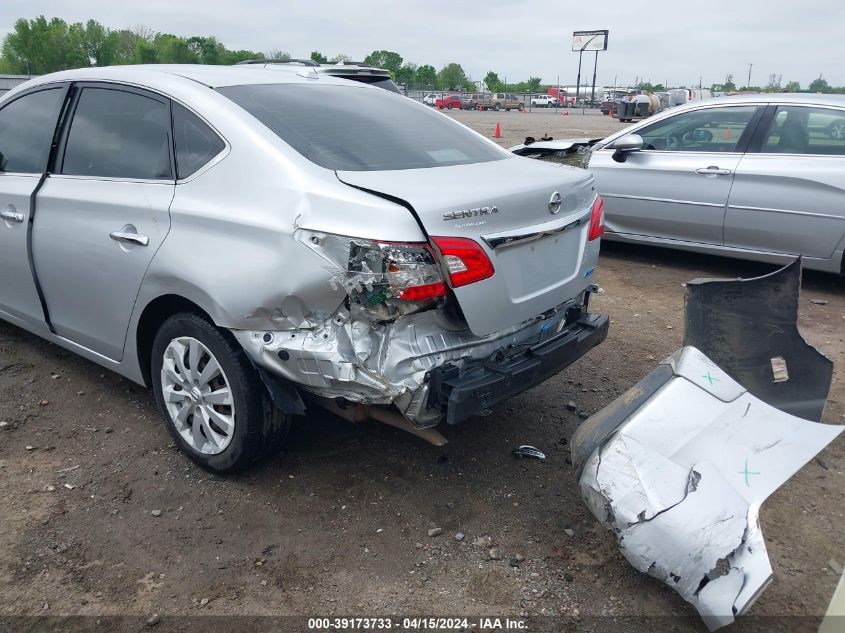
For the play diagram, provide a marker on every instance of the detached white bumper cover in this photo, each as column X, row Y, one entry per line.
column 678, row 468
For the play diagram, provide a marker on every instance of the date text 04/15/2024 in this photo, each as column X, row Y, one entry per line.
column 416, row 624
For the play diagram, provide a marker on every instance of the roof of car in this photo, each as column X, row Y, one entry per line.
column 335, row 68
column 776, row 97
column 158, row 75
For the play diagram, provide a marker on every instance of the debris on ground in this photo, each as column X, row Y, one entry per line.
column 435, row 531
column 483, row 541
column 678, row 468
column 526, row 451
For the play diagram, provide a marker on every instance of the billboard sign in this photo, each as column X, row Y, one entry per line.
column 589, row 40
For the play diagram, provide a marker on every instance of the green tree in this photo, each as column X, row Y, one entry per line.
column 233, row 57
column 38, row 46
column 101, row 45
column 426, row 76
column 407, row 74
column 277, row 54
column 318, row 57
column 145, row 52
column 452, row 77
column 126, row 42
column 492, row 81
column 385, row 59
column 340, row 57
column 172, row 49
column 207, row 50
column 793, row 86
column 819, row 85
column 534, row 84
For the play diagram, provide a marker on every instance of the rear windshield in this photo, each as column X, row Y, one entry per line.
column 359, row 129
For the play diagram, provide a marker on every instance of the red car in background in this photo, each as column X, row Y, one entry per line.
column 449, row 102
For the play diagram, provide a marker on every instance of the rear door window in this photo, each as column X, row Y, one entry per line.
column 806, row 130
column 359, row 129
column 705, row 130
column 26, row 131
column 196, row 142
column 119, row 134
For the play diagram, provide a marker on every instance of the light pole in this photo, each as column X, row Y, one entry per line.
column 580, row 54
column 750, row 66
column 593, row 93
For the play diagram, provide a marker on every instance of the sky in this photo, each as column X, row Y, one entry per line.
column 679, row 42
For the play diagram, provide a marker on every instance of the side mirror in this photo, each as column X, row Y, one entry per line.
column 625, row 145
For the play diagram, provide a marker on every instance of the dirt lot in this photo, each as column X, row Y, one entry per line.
column 100, row 515
column 515, row 125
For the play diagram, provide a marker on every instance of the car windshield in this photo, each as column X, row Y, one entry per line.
column 358, row 129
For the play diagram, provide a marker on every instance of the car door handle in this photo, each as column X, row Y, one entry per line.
column 713, row 171
column 12, row 216
column 130, row 238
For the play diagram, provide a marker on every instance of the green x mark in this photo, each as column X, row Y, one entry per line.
column 710, row 379
column 747, row 472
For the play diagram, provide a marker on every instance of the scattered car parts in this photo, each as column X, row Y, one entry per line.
column 678, row 468
column 526, row 451
column 571, row 151
column 748, row 327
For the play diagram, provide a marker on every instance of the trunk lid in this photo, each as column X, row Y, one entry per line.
column 540, row 257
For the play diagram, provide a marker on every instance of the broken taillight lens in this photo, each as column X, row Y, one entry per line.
column 596, row 220
column 411, row 270
column 382, row 276
column 466, row 260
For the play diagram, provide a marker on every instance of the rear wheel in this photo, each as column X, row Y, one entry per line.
column 449, row 106
column 521, row 107
column 497, row 107
column 212, row 400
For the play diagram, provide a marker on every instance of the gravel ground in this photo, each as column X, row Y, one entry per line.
column 515, row 125
column 100, row 515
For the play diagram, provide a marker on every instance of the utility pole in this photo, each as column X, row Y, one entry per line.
column 750, row 66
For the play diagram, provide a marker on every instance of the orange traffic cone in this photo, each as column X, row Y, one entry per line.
column 727, row 133
column 498, row 133
column 566, row 113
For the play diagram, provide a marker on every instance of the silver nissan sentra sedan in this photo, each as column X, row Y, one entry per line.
column 758, row 177
column 248, row 241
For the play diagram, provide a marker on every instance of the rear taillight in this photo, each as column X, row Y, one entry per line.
column 411, row 271
column 596, row 220
column 381, row 276
column 465, row 259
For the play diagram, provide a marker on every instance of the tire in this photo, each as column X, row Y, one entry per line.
column 497, row 106
column 521, row 107
column 448, row 106
column 258, row 428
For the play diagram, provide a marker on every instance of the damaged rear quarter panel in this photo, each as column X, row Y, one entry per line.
column 231, row 249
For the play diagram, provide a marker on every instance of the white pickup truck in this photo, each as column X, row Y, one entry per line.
column 544, row 101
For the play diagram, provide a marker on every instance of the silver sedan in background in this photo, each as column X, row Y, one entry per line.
column 758, row 177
